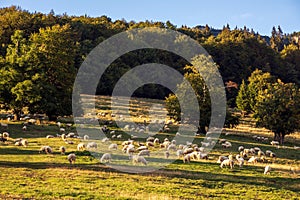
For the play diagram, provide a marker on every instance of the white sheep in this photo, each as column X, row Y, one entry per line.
column 63, row 136
column 171, row 147
column 80, row 147
column 106, row 158
column 142, row 148
column 72, row 158
column 139, row 159
column 179, row 153
column 24, row 142
column 253, row 160
column 187, row 158
column 46, row 149
column 240, row 160
column 144, row 153
column 296, row 148
column 105, row 140
column 221, row 159
column 227, row 162
column 92, row 145
column 113, row 146
column 71, row 135
column 62, row 130
column 267, row 169
column 49, row 136
column 86, row 137
column 274, row 143
column 62, row 150
column 69, row 142
column 5, row 135
column 241, row 148
column 24, row 128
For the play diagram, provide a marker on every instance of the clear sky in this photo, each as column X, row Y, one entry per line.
column 261, row 15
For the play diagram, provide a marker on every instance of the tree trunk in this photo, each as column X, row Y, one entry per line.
column 281, row 138
column 17, row 115
column 276, row 137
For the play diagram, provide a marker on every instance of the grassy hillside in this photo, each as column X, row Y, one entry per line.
column 26, row 173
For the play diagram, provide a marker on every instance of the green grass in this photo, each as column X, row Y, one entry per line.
column 27, row 174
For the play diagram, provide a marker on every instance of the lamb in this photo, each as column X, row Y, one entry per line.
column 260, row 153
column 69, row 142
column 72, row 158
column 24, row 128
column 62, row 130
column 267, row 169
column 46, row 149
column 80, row 146
column 106, row 158
column 156, row 141
column 92, row 145
column 227, row 162
column 71, row 135
column 105, row 139
column 62, row 150
column 144, row 153
column 139, row 159
column 227, row 144
column 49, row 136
column 113, row 146
column 188, row 150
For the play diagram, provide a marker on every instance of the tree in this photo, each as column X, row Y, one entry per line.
column 242, row 99
column 278, row 109
column 201, row 92
column 258, row 81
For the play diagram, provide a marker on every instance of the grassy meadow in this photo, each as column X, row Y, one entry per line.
column 27, row 174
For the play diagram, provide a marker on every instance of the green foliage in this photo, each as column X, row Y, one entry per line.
column 278, row 109
column 242, row 99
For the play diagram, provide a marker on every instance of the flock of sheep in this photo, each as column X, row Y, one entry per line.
column 137, row 150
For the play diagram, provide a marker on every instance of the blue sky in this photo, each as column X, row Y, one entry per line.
column 261, row 15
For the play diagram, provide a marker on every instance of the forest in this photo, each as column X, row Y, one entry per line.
column 41, row 53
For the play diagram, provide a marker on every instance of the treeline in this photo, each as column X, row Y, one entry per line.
column 41, row 53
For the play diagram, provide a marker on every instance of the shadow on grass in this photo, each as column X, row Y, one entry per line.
column 291, row 184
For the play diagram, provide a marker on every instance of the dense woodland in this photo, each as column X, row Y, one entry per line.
column 41, row 53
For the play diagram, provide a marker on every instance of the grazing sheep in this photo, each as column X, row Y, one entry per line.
column 139, row 159
column 267, row 169
column 240, row 160
column 156, row 141
column 5, row 135
column 24, row 142
column 58, row 124
column 274, row 143
column 253, row 160
column 63, row 136
column 24, row 128
column 167, row 154
column 62, row 130
column 241, row 148
column 179, row 153
column 202, row 155
column 106, row 158
column 105, row 139
column 144, row 153
column 92, row 145
column 186, row 158
column 221, row 141
column 141, row 148
column 272, row 155
column 171, row 147
column 221, row 159
column 260, row 153
column 227, row 144
column 119, row 136
column 69, row 142
column 227, row 162
column 80, row 147
column 149, row 144
column 113, row 146
column 296, row 148
column 49, row 136
column 86, row 137
column 62, row 150
column 71, row 135
column 46, row 149
column 72, row 158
